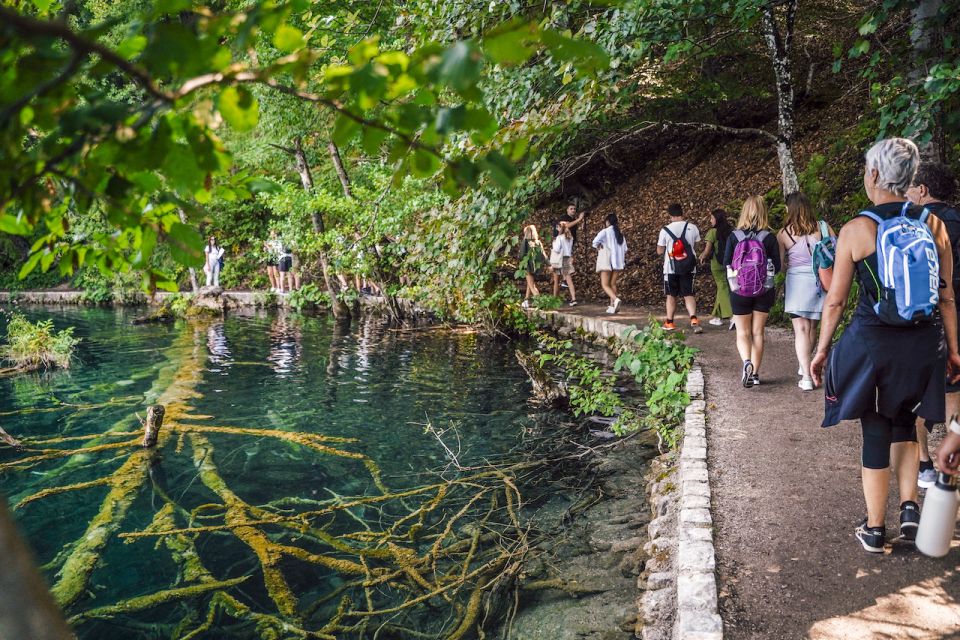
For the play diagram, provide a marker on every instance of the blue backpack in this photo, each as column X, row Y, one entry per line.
column 909, row 278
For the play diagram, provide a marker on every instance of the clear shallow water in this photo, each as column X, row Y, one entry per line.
column 273, row 375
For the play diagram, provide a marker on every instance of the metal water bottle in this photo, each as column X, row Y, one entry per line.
column 939, row 517
column 771, row 272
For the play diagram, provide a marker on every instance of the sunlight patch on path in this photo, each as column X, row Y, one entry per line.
column 921, row 611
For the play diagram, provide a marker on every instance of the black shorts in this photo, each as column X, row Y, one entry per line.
column 745, row 306
column 285, row 263
column 678, row 285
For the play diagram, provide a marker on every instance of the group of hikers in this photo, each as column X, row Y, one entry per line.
column 896, row 365
column 611, row 249
column 278, row 261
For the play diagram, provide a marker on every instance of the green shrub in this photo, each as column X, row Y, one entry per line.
column 547, row 302
column 308, row 296
column 35, row 345
column 659, row 361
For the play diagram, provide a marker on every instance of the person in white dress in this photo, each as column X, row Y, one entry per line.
column 611, row 259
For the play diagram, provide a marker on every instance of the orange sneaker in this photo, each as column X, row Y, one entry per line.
column 669, row 326
column 695, row 323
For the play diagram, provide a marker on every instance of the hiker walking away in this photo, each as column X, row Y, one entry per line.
column 561, row 260
column 803, row 297
column 888, row 366
column 272, row 249
column 713, row 250
column 935, row 186
column 677, row 243
column 752, row 258
column 611, row 257
column 532, row 256
column 213, row 262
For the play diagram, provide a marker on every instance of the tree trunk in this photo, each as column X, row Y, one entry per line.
column 340, row 310
column 151, row 426
column 778, row 46
column 922, row 42
column 26, row 608
column 193, row 272
column 393, row 307
column 341, row 172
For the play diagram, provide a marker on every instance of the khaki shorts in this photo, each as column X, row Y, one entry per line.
column 567, row 268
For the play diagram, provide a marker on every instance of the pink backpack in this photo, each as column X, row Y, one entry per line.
column 750, row 263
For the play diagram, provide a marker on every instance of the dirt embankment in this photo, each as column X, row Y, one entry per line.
column 700, row 171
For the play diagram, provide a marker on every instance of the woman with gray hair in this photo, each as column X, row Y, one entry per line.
column 886, row 370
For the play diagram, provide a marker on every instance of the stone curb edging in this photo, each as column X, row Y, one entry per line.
column 698, row 615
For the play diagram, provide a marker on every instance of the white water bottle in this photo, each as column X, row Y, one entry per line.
column 732, row 279
column 771, row 271
column 939, row 517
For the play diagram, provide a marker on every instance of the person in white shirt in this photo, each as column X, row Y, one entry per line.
column 611, row 259
column 211, row 266
column 678, row 272
column 563, row 248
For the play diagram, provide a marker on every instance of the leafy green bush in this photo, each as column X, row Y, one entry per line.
column 308, row 296
column 591, row 390
column 547, row 302
column 35, row 345
column 659, row 361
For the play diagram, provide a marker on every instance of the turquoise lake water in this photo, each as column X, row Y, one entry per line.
column 222, row 383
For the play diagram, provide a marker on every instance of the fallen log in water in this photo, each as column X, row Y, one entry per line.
column 10, row 440
column 546, row 390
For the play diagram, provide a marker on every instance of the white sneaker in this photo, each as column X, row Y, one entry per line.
column 805, row 384
column 525, row 304
column 799, row 371
column 715, row 322
column 611, row 310
column 616, row 304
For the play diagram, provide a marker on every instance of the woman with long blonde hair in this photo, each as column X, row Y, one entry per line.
column 803, row 298
column 532, row 257
column 752, row 257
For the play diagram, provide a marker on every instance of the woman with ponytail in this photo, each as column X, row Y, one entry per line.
column 611, row 258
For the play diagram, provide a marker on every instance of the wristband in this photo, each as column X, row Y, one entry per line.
column 954, row 426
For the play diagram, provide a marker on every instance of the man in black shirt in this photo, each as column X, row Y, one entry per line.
column 572, row 219
column 935, row 186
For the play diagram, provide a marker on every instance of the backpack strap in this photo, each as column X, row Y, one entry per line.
column 870, row 214
column 791, row 237
column 683, row 234
column 670, row 233
column 824, row 230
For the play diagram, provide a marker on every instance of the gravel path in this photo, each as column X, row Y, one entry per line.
column 786, row 498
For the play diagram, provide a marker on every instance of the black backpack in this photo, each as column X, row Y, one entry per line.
column 681, row 253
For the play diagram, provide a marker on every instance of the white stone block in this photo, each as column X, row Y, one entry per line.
column 695, row 502
column 696, row 557
column 696, row 517
column 697, row 453
column 694, row 625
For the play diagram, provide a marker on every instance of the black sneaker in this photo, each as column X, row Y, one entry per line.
column 871, row 537
column 747, row 378
column 909, row 519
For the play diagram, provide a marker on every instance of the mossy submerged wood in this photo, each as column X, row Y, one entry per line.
column 394, row 548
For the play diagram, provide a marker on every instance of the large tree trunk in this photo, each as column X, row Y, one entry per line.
column 922, row 41
column 778, row 46
column 340, row 310
column 393, row 307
